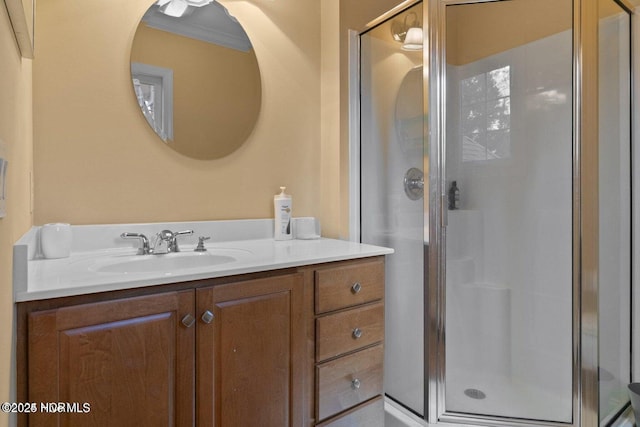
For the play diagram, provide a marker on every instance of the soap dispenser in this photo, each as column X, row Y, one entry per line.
column 282, row 205
column 454, row 196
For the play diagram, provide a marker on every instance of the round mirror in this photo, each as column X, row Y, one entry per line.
column 195, row 77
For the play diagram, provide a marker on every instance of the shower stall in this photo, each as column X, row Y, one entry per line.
column 496, row 159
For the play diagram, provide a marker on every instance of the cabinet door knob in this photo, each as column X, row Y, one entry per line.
column 357, row 333
column 355, row 384
column 356, row 287
column 207, row 317
column 188, row 320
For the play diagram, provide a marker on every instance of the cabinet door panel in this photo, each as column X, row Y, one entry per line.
column 134, row 366
column 251, row 356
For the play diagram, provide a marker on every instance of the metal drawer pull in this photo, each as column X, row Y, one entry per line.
column 188, row 320
column 355, row 384
column 356, row 287
column 207, row 317
column 357, row 333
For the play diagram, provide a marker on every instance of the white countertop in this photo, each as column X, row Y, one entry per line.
column 77, row 275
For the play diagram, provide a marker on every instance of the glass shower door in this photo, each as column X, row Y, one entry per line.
column 508, row 133
column 392, row 183
column 614, row 302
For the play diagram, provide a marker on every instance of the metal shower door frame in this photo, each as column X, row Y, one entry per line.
column 585, row 389
column 584, row 218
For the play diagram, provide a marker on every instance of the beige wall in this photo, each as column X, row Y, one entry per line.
column 471, row 37
column 97, row 161
column 15, row 132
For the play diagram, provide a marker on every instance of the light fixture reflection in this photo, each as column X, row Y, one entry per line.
column 407, row 31
column 177, row 8
column 413, row 40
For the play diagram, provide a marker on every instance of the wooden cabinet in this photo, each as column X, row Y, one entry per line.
column 250, row 362
column 369, row 415
column 225, row 355
column 349, row 328
column 294, row 347
column 130, row 359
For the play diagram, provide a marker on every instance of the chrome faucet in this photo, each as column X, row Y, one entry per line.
column 162, row 243
column 166, row 241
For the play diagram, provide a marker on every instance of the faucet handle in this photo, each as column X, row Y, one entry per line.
column 174, row 241
column 144, row 250
column 200, row 247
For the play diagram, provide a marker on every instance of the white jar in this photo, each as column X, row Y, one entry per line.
column 55, row 240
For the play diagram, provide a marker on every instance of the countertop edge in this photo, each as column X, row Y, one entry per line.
column 23, row 295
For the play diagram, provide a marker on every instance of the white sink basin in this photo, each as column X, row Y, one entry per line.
column 173, row 262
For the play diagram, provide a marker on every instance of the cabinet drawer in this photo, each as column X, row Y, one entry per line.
column 349, row 330
column 370, row 414
column 349, row 285
column 348, row 381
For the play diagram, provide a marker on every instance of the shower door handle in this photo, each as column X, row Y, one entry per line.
column 444, row 211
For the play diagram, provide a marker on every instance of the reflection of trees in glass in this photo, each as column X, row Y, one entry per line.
column 486, row 115
column 500, row 81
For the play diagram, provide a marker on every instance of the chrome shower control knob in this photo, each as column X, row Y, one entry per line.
column 188, row 320
column 356, row 287
column 207, row 317
column 414, row 184
column 357, row 333
column 355, row 384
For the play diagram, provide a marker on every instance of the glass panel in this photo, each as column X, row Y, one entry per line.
column 509, row 245
column 615, row 209
column 392, row 153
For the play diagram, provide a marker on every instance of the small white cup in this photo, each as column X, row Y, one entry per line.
column 306, row 228
column 55, row 240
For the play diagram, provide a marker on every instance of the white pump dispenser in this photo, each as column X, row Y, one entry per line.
column 282, row 205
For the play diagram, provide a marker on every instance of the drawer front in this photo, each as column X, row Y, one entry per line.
column 348, row 381
column 349, row 285
column 370, row 414
column 343, row 332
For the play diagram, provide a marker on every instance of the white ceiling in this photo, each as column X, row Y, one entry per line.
column 211, row 23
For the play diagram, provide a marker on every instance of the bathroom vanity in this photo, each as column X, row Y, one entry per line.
column 284, row 334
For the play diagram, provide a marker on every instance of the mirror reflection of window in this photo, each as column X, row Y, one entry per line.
column 153, row 87
column 146, row 94
column 485, row 115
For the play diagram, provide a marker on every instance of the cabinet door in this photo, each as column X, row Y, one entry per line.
column 131, row 359
column 251, row 356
